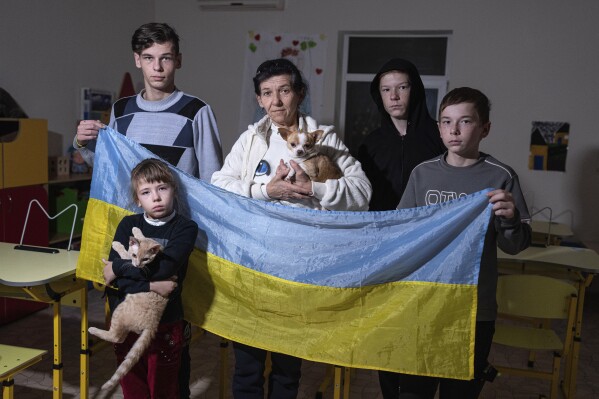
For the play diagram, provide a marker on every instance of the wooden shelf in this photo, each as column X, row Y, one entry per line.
column 71, row 178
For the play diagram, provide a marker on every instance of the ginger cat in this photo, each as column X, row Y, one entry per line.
column 139, row 312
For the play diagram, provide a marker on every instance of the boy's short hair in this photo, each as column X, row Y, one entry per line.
column 152, row 170
column 154, row 32
column 481, row 103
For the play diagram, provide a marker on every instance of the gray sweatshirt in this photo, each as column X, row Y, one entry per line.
column 436, row 181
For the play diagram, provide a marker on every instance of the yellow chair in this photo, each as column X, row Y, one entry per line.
column 13, row 360
column 527, row 303
column 341, row 377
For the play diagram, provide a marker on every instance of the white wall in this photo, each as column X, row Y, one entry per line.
column 536, row 60
column 50, row 49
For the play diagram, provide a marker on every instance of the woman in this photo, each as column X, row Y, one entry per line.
column 256, row 168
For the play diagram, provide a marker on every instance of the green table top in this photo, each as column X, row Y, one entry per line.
column 581, row 259
column 20, row 268
column 15, row 358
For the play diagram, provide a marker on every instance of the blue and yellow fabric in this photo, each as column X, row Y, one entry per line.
column 389, row 290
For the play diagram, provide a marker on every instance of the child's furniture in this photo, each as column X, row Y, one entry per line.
column 23, row 174
column 578, row 266
column 48, row 278
column 526, row 305
column 13, row 360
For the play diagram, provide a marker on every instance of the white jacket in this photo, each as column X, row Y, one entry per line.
column 349, row 193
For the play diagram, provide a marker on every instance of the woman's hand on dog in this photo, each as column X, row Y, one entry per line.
column 299, row 188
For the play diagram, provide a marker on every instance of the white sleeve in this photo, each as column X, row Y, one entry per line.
column 231, row 176
column 351, row 192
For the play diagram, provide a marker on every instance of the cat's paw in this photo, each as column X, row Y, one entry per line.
column 95, row 331
column 119, row 248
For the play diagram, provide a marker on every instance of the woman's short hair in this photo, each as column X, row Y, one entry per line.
column 278, row 67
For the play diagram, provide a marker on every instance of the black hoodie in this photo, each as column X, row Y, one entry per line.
column 388, row 158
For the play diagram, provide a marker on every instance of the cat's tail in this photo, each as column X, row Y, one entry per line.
column 135, row 353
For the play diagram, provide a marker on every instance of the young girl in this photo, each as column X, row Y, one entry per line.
column 154, row 189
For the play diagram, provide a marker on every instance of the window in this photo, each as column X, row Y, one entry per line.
column 363, row 53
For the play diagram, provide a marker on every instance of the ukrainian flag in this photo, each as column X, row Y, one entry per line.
column 392, row 290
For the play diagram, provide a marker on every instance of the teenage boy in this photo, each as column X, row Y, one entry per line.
column 463, row 169
column 407, row 135
column 177, row 127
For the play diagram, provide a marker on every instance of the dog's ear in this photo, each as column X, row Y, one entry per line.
column 318, row 134
column 284, row 133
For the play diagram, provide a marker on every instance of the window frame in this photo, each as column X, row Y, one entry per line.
column 436, row 82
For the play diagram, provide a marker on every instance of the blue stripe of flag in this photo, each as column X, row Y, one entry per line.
column 441, row 243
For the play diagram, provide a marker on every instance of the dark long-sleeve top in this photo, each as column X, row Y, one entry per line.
column 388, row 158
column 177, row 237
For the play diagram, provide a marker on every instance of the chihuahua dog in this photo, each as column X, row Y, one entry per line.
column 302, row 146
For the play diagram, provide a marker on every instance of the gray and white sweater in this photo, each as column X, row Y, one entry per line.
column 181, row 129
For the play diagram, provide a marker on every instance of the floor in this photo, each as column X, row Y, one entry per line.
column 36, row 331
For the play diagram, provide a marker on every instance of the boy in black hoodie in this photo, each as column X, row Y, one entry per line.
column 406, row 137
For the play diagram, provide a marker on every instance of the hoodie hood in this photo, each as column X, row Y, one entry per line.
column 388, row 158
column 417, row 111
